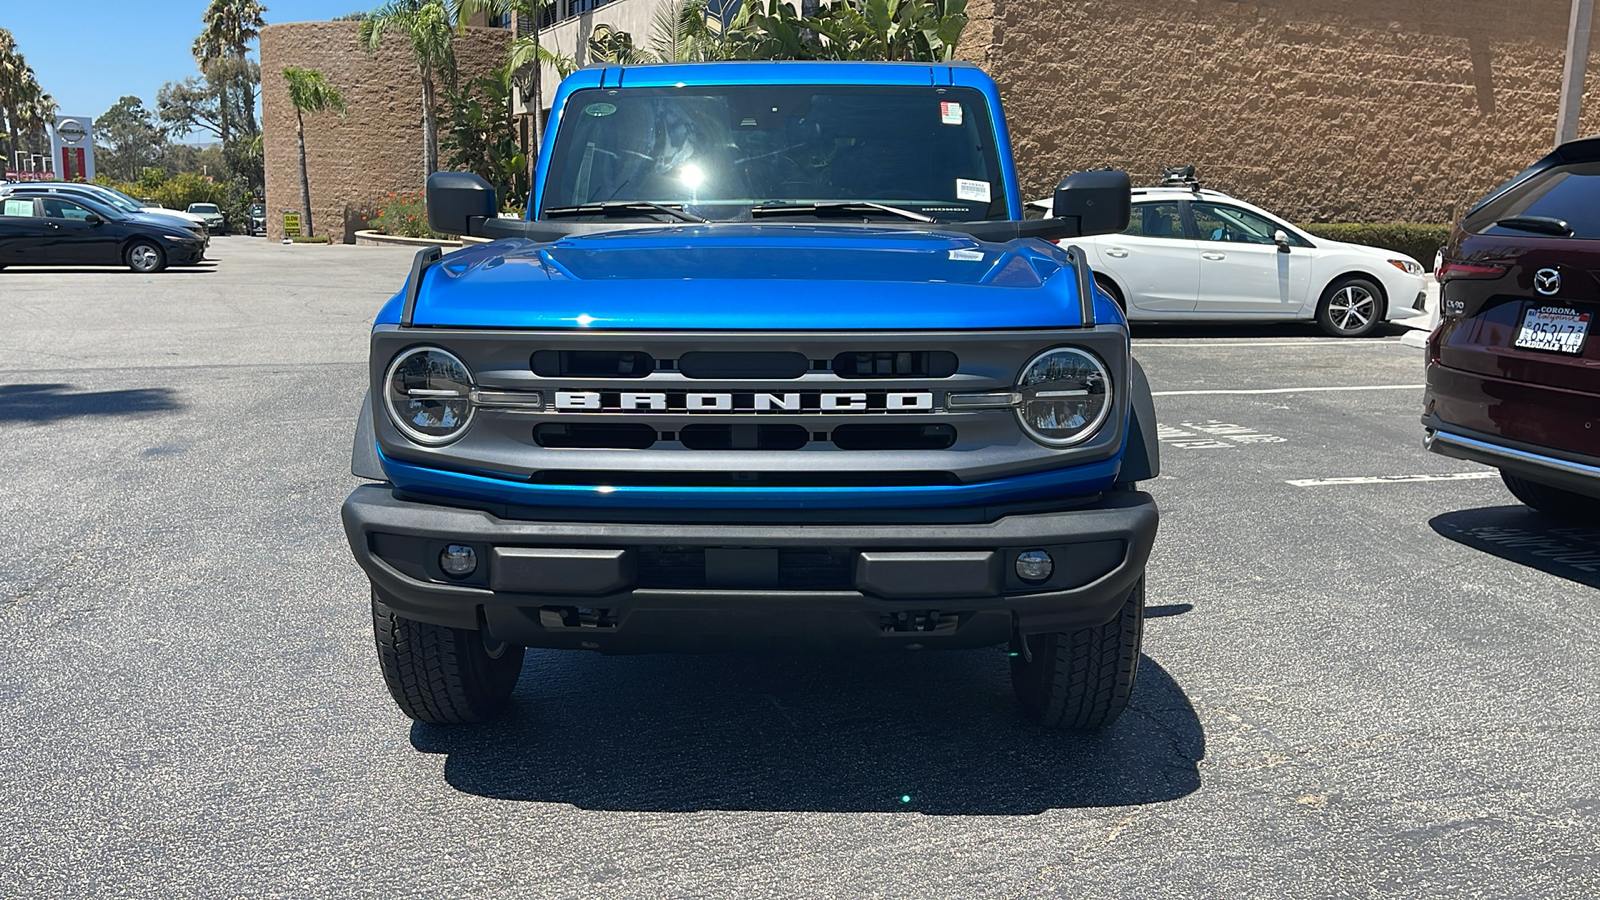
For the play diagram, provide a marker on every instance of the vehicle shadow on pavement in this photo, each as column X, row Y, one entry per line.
column 44, row 403
column 206, row 268
column 937, row 734
column 1516, row 533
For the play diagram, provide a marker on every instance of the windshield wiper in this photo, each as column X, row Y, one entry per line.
column 841, row 206
column 1537, row 224
column 623, row 207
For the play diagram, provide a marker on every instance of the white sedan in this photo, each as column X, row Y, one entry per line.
column 1197, row 255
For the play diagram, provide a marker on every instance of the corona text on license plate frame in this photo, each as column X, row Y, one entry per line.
column 1556, row 329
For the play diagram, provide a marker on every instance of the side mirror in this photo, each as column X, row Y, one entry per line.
column 93, row 219
column 1281, row 238
column 455, row 198
column 1100, row 202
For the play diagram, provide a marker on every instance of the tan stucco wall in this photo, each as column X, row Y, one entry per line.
column 355, row 162
column 1323, row 110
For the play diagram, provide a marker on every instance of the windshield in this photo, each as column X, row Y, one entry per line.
column 719, row 151
column 118, row 199
column 202, row 207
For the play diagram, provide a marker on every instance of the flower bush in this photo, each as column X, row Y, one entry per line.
column 403, row 214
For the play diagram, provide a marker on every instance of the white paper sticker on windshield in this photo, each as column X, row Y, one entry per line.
column 949, row 112
column 967, row 189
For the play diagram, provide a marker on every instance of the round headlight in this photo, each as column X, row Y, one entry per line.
column 1066, row 395
column 428, row 393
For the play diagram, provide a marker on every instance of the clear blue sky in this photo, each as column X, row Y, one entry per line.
column 90, row 53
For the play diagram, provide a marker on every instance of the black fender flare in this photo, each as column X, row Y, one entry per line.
column 364, row 461
column 1141, row 458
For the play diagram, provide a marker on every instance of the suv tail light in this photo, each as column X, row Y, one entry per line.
column 1449, row 270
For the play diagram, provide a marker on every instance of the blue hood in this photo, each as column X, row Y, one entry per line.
column 752, row 278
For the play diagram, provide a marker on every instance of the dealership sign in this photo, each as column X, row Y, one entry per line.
column 72, row 148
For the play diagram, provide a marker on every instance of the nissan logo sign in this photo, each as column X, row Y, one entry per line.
column 71, row 131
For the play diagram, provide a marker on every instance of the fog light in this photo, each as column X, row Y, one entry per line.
column 460, row 560
column 1034, row 565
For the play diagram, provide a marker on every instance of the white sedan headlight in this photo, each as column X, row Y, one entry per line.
column 1408, row 266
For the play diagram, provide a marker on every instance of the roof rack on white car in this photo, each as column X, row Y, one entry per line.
column 1180, row 177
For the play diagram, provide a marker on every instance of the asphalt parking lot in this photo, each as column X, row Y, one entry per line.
column 1367, row 671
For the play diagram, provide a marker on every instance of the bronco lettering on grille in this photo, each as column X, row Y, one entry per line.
column 744, row 402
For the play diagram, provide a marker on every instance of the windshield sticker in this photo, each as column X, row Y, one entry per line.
column 967, row 255
column 967, row 189
column 949, row 112
column 600, row 109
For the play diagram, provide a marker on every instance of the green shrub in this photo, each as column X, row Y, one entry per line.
column 1420, row 242
column 184, row 188
column 403, row 215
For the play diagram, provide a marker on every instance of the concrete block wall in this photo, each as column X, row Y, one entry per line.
column 1355, row 110
column 356, row 162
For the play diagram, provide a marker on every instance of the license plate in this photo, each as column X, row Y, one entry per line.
column 1559, row 330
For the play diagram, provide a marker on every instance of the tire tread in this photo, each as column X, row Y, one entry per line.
column 431, row 675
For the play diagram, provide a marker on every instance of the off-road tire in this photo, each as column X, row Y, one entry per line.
column 1081, row 680
column 1353, row 292
column 442, row 675
column 1551, row 500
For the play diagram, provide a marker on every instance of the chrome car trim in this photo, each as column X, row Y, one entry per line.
column 1432, row 438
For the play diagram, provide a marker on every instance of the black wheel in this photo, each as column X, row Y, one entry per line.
column 1551, row 500
column 144, row 256
column 1081, row 680
column 1105, row 284
column 1350, row 307
column 443, row 675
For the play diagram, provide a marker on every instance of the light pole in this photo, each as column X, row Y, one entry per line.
column 1572, row 71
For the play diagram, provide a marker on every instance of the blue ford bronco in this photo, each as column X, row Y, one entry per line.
column 774, row 360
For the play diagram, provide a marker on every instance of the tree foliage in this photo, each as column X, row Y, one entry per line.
column 25, row 109
column 697, row 30
column 129, row 138
column 479, row 137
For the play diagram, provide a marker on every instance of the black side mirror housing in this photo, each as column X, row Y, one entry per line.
column 1101, row 202
column 93, row 219
column 456, row 198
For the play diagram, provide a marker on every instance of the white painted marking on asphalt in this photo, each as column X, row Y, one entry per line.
column 1392, row 479
column 1330, row 342
column 1294, row 390
column 1209, row 433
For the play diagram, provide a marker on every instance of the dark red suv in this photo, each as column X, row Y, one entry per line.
column 1514, row 368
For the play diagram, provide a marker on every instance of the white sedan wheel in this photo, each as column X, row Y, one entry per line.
column 1350, row 307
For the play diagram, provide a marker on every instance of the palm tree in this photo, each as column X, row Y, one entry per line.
column 309, row 92
column 426, row 24
column 526, row 55
column 25, row 108
column 230, row 27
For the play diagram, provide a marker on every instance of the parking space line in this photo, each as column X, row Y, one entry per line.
column 1392, row 479
column 1294, row 390
column 1328, row 342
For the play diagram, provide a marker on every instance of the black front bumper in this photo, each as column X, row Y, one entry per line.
column 636, row 587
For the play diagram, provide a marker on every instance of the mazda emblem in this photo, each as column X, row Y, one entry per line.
column 1547, row 281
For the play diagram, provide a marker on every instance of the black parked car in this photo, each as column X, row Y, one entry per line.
column 49, row 229
column 258, row 219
